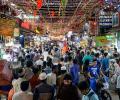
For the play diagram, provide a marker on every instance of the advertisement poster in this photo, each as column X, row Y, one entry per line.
column 105, row 40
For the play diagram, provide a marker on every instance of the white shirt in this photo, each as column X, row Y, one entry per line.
column 23, row 96
column 117, row 69
column 39, row 62
column 51, row 79
column 45, row 54
column 16, row 84
column 28, row 73
column 118, row 82
column 7, row 57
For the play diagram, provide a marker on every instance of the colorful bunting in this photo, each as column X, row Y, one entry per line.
column 80, row 13
column 35, row 13
column 39, row 4
column 86, row 1
column 64, row 3
column 25, row 25
column 43, row 13
column 101, row 2
column 40, row 15
column 52, row 13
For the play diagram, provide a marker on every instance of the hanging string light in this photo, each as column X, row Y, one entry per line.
column 101, row 2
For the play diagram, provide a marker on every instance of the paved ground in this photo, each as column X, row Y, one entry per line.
column 114, row 96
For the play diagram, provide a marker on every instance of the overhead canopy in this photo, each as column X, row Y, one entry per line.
column 68, row 13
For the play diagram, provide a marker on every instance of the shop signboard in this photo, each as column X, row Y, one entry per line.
column 115, row 19
column 105, row 20
column 105, row 40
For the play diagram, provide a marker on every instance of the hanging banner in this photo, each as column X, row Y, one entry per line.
column 105, row 20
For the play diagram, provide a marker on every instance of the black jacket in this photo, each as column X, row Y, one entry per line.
column 43, row 92
column 68, row 93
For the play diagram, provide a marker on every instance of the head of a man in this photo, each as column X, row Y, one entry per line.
column 24, row 86
column 84, row 87
column 43, row 77
column 94, row 62
column 54, row 69
column 74, row 61
column 67, row 79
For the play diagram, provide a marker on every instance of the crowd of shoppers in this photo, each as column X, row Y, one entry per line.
column 47, row 74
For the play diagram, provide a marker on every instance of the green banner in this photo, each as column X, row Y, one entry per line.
column 105, row 40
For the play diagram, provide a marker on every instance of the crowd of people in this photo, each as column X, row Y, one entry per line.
column 76, row 74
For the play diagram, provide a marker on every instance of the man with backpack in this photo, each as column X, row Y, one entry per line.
column 88, row 93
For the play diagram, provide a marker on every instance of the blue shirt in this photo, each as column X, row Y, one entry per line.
column 94, row 71
column 105, row 64
column 74, row 71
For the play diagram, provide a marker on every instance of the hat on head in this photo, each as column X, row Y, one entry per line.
column 42, row 76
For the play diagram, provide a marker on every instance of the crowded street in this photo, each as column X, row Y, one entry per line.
column 59, row 50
